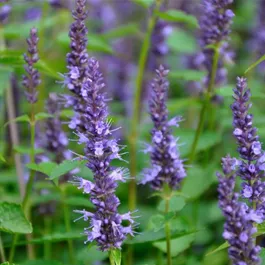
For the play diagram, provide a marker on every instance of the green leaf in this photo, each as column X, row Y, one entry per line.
column 173, row 15
column 23, row 118
column 181, row 41
column 41, row 262
column 91, row 255
column 7, row 263
column 152, row 236
column 187, row 75
column 144, row 3
column 44, row 167
column 253, row 65
column 13, row 220
column 65, row 167
column 42, row 115
column 2, row 158
column 122, row 31
column 78, row 201
column 14, row 59
column 198, row 181
column 221, row 247
column 175, row 204
column 158, row 221
column 96, row 43
column 115, row 257
column 27, row 150
column 178, row 245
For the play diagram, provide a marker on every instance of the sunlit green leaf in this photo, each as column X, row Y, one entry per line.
column 221, row 247
column 44, row 167
column 23, row 118
column 177, row 245
column 13, row 220
column 42, row 115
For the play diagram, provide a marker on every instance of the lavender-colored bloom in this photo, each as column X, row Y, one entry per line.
column 32, row 79
column 258, row 40
column 215, row 23
column 238, row 229
column 167, row 167
column 33, row 13
column 106, row 226
column 250, row 150
column 5, row 11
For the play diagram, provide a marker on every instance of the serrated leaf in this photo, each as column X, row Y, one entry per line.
column 122, row 31
column 175, row 204
column 178, row 245
column 22, row 118
column 173, row 15
column 65, row 167
column 187, row 75
column 42, row 115
column 221, row 247
column 253, row 65
column 13, row 220
column 115, row 257
column 44, row 167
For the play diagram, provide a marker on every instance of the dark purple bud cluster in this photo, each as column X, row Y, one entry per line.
column 238, row 228
column 32, row 79
column 77, row 63
column 77, row 59
column 106, row 224
column 57, row 141
column 167, row 166
column 250, row 150
column 159, row 47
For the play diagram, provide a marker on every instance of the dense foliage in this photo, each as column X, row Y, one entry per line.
column 132, row 132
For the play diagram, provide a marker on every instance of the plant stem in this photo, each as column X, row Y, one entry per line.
column 207, row 101
column 47, row 245
column 132, row 197
column 168, row 236
column 2, row 251
column 112, row 262
column 68, row 228
column 13, row 248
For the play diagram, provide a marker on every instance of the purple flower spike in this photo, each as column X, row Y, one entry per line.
column 32, row 79
column 238, row 228
column 252, row 165
column 167, row 167
column 106, row 224
column 77, row 59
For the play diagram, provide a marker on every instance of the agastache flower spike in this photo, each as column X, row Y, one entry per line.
column 250, row 150
column 167, row 166
column 32, row 79
column 238, row 228
column 106, row 224
column 215, row 23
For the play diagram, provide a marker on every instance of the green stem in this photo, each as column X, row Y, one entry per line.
column 67, row 224
column 47, row 245
column 136, row 117
column 206, row 102
column 13, row 248
column 2, row 251
column 168, row 236
column 111, row 260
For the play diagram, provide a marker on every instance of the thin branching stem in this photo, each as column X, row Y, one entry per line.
column 205, row 104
